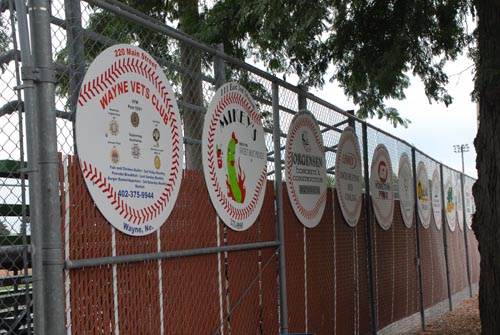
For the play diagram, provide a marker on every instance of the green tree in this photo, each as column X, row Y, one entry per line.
column 486, row 189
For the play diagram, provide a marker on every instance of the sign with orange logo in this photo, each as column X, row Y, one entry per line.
column 348, row 179
column 381, row 186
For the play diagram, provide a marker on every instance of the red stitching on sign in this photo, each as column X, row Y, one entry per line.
column 236, row 213
column 126, row 211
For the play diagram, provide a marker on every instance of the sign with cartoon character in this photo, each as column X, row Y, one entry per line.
column 348, row 179
column 381, row 186
column 437, row 199
column 234, row 156
column 305, row 169
column 459, row 202
column 129, row 139
column 423, row 195
column 405, row 190
column 450, row 201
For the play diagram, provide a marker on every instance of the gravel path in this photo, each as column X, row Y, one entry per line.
column 463, row 320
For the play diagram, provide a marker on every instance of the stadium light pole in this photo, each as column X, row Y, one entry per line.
column 461, row 149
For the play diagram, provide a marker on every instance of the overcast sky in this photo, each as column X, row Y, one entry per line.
column 434, row 128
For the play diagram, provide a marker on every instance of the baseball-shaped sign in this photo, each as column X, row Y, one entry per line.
column 129, row 139
column 348, row 180
column 423, row 195
column 234, row 156
column 470, row 206
column 381, row 186
column 305, row 167
column 405, row 190
column 450, row 202
column 437, row 199
column 459, row 202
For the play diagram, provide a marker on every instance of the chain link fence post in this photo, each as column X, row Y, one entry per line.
column 467, row 259
column 278, row 188
column 32, row 170
column 369, row 235
column 45, row 148
column 219, row 67
column 417, row 234
column 24, row 215
column 75, row 46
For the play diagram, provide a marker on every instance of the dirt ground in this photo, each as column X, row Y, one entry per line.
column 463, row 320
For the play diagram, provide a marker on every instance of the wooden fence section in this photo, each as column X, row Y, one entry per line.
column 237, row 292
column 213, row 293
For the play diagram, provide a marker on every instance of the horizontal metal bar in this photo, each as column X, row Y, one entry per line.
column 335, row 127
column 271, row 153
column 102, row 261
column 194, row 108
column 10, row 107
column 191, row 141
column 9, row 56
column 332, row 148
column 109, row 42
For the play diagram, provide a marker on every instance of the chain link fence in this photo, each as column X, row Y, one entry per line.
column 16, row 299
column 194, row 274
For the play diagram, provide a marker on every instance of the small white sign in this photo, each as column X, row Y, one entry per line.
column 470, row 206
column 405, row 190
column 305, row 167
column 348, row 179
column 450, row 202
column 423, row 195
column 437, row 201
column 234, row 156
column 129, row 139
column 381, row 186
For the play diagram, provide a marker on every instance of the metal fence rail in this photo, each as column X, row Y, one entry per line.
column 66, row 270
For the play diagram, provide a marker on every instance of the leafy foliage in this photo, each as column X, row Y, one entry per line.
column 115, row 29
column 372, row 45
column 376, row 43
column 4, row 230
column 4, row 35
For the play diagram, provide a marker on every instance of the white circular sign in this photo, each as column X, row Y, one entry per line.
column 348, row 179
column 305, row 167
column 450, row 202
column 423, row 195
column 381, row 186
column 470, row 206
column 234, row 156
column 437, row 201
column 459, row 202
column 129, row 139
column 405, row 190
